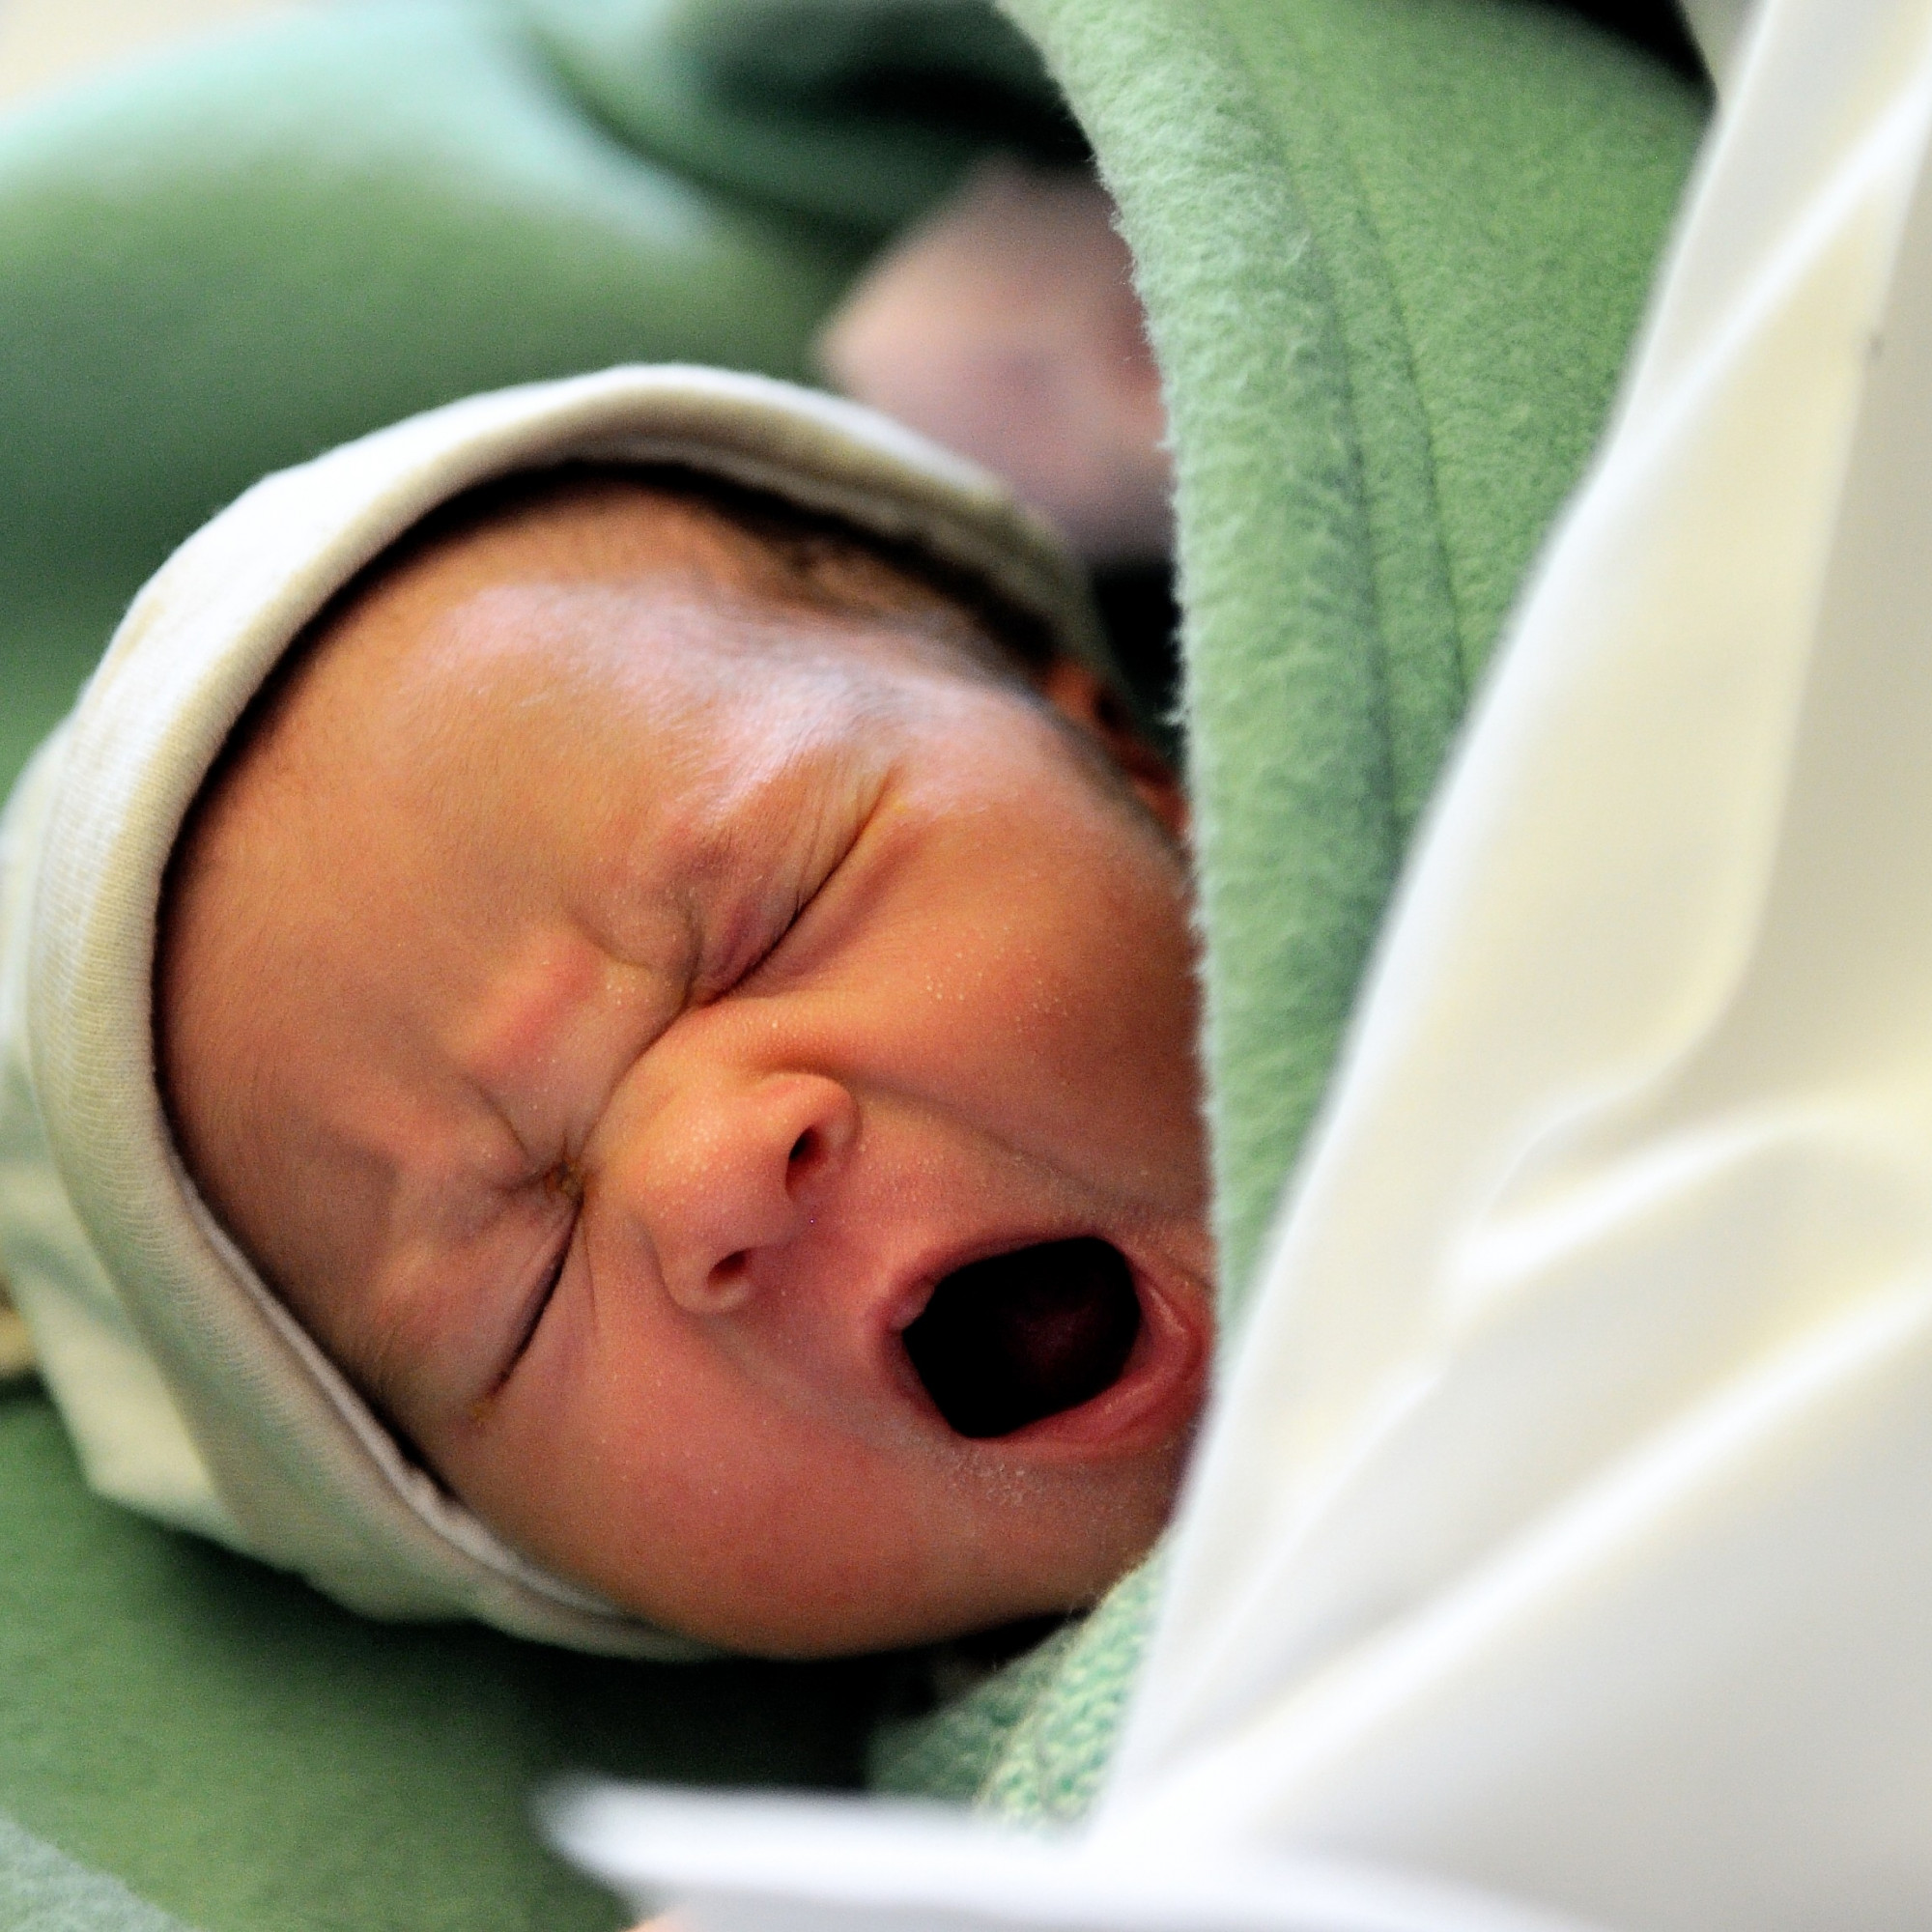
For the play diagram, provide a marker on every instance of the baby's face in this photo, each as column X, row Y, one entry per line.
column 607, row 1003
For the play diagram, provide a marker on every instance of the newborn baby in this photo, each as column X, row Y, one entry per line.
column 683, row 991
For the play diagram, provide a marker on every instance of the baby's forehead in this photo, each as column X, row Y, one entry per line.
column 584, row 602
column 557, row 624
column 527, row 614
column 700, row 540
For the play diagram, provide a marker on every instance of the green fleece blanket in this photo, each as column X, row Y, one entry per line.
column 1392, row 255
column 1392, row 252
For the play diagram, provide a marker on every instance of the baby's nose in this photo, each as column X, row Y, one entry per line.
column 734, row 1173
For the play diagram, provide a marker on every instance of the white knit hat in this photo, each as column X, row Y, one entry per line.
column 192, row 1393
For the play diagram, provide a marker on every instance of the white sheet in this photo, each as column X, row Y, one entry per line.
column 1565, row 1525
column 829, row 1865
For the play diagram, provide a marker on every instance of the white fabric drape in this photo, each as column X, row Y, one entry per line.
column 1566, row 1523
column 1564, row 1526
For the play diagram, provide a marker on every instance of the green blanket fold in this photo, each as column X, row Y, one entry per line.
column 1392, row 256
column 862, row 113
column 1392, row 252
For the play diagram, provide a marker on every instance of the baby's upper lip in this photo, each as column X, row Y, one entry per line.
column 1155, row 1396
column 916, row 1282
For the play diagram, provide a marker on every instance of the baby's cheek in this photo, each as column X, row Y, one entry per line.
column 1097, row 995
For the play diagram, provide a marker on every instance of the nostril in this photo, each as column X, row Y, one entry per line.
column 728, row 1280
column 804, row 1149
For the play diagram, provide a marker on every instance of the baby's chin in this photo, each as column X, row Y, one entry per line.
column 1061, row 1564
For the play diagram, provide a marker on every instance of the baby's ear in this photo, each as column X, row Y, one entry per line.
column 1081, row 695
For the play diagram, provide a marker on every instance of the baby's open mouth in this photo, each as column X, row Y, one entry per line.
column 1017, row 1337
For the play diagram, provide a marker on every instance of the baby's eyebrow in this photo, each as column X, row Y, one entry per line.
column 512, row 1030
column 547, row 1040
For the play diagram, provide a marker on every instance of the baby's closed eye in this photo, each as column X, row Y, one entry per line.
column 562, row 1185
column 773, row 908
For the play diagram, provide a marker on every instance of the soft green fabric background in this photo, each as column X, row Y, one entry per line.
column 247, row 1755
column 231, row 260
column 41, row 1889
column 214, row 266
column 860, row 112
column 1392, row 252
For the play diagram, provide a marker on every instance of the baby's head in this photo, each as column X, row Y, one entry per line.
column 688, row 1004
column 627, row 961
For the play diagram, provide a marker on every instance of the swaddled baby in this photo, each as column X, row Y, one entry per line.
column 598, row 1030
